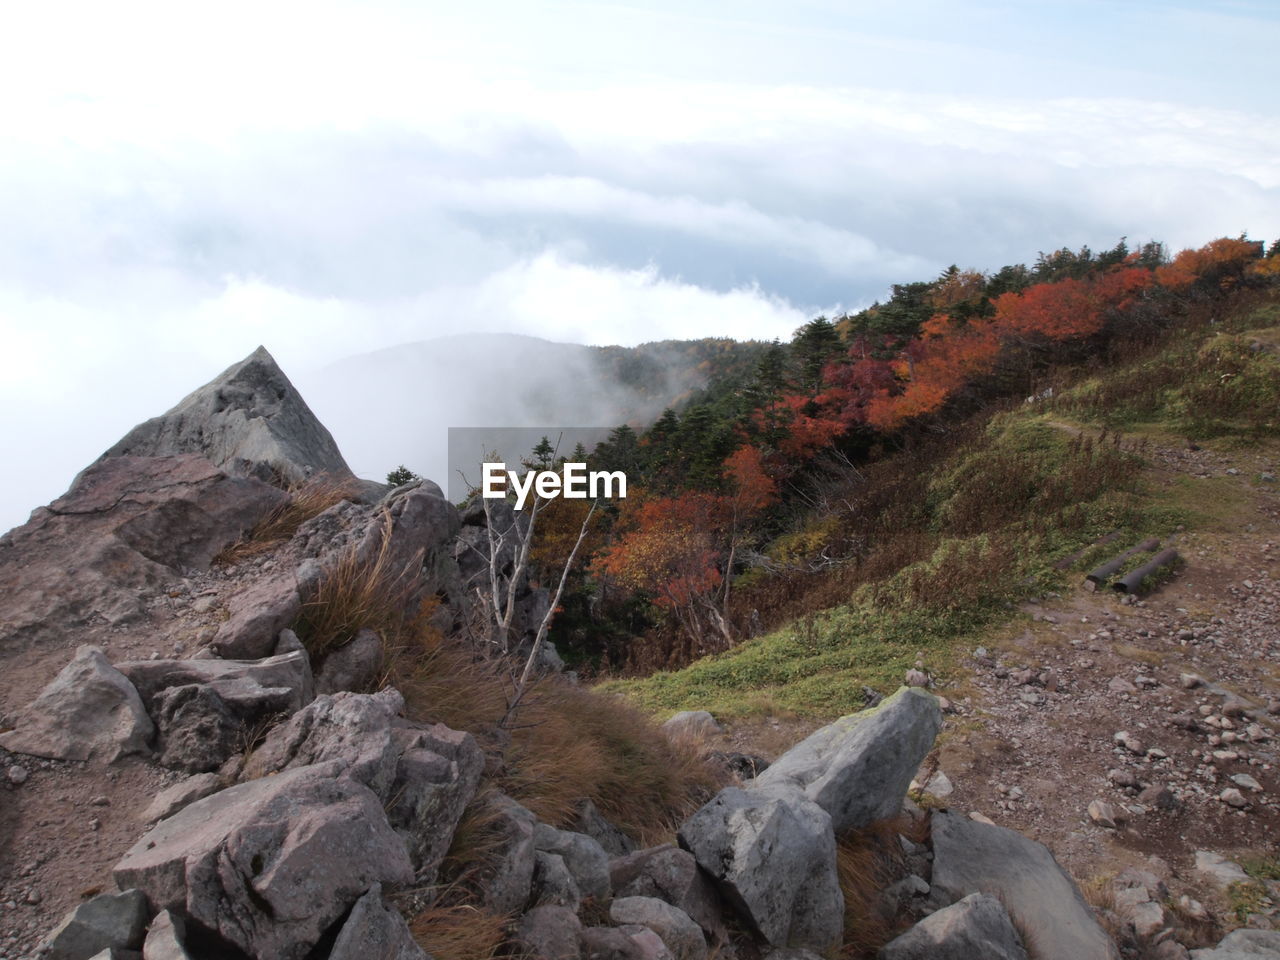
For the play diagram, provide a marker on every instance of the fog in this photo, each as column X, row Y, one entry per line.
column 179, row 185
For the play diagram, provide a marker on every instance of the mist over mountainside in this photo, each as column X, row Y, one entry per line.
column 395, row 406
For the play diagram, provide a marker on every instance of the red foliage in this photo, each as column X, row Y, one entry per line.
column 1221, row 261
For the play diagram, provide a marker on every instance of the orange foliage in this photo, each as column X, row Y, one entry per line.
column 958, row 287
column 753, row 488
column 669, row 549
column 1223, row 260
column 950, row 359
column 1063, row 310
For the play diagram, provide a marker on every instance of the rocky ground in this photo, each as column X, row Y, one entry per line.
column 1134, row 735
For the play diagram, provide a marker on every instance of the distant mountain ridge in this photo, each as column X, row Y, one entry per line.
column 504, row 380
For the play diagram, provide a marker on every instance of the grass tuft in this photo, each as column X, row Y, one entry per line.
column 305, row 503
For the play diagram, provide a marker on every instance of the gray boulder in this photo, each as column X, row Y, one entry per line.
column 172, row 799
column 977, row 926
column 356, row 665
column 681, row 935
column 89, row 711
column 1244, row 945
column 774, row 857
column 586, row 859
column 670, row 874
column 550, row 933
column 108, row 921
column 269, row 865
column 198, row 732
column 859, row 767
column 250, row 686
column 166, row 939
column 971, row 857
column 250, row 420
column 375, row 931
column 122, row 535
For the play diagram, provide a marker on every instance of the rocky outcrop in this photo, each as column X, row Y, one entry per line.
column 126, row 530
column 238, row 682
column 90, row 711
column 971, row 857
column 977, row 926
column 672, row 875
column 249, row 420
column 858, row 768
column 679, row 933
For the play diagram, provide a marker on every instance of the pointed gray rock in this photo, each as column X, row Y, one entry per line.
column 858, row 768
column 166, row 938
column 249, row 420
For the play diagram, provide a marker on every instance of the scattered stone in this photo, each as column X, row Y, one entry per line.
column 198, row 731
column 1244, row 945
column 553, row 884
column 1246, row 781
column 166, row 938
column 670, row 874
column 1103, row 814
column 1190, row 681
column 17, row 775
column 585, row 859
column 594, row 825
column 1233, row 798
column 356, row 665
column 307, row 841
column 1223, row 871
column 507, row 884
column 1158, row 796
column 1121, row 685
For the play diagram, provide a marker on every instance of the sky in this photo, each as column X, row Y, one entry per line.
column 179, row 185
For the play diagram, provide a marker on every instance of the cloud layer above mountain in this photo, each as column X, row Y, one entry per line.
column 330, row 179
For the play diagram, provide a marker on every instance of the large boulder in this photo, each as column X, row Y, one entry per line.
column 108, row 921
column 124, row 533
column 774, row 857
column 972, row 857
column 375, row 931
column 271, row 864
column 592, row 822
column 249, row 420
column 257, row 615
column 166, row 938
column 858, row 768
column 356, row 665
column 977, row 926
column 89, row 711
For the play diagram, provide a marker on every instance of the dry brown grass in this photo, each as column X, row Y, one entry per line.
column 305, row 502
column 460, row 932
column 868, row 861
column 356, row 594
